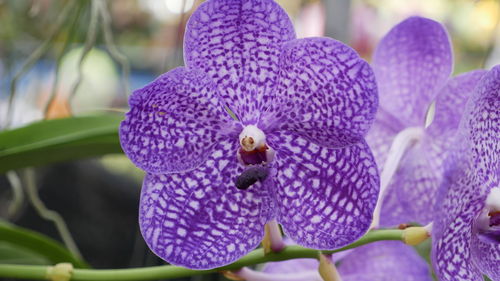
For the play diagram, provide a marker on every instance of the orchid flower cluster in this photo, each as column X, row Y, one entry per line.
column 262, row 128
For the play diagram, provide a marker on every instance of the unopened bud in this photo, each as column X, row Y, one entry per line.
column 60, row 272
column 327, row 269
column 415, row 235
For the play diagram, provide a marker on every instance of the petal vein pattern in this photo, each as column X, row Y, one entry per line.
column 327, row 196
column 326, row 93
column 237, row 43
column 411, row 63
column 174, row 122
column 413, row 188
column 198, row 219
column 452, row 228
column 472, row 171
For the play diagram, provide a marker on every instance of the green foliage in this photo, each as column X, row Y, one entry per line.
column 19, row 245
column 59, row 140
column 14, row 254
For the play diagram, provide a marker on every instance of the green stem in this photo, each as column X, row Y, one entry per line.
column 169, row 271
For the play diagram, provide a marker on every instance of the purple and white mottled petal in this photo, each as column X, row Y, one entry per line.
column 481, row 123
column 326, row 93
column 411, row 63
column 413, row 187
column 450, row 104
column 327, row 196
column 482, row 127
column 199, row 219
column 472, row 171
column 174, row 122
column 486, row 255
column 384, row 261
column 461, row 198
column 237, row 43
column 381, row 135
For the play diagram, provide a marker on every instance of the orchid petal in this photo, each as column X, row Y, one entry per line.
column 291, row 266
column 481, row 123
column 381, row 261
column 384, row 261
column 450, row 104
column 411, row 63
column 471, row 172
column 452, row 227
column 199, row 219
column 481, row 126
column 237, row 43
column 326, row 93
column 381, row 135
column 486, row 256
column 174, row 122
column 413, row 188
column 327, row 196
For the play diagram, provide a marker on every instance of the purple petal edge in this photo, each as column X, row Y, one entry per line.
column 238, row 43
column 411, row 63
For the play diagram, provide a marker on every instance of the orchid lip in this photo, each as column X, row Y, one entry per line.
column 254, row 150
column 251, row 138
column 488, row 221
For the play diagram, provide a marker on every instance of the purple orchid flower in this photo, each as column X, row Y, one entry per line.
column 296, row 153
column 466, row 228
column 381, row 261
column 412, row 64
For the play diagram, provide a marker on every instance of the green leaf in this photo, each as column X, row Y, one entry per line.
column 59, row 140
column 39, row 245
column 12, row 254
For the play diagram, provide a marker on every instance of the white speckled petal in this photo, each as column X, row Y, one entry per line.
column 326, row 93
column 460, row 203
column 411, row 63
column 237, row 43
column 482, row 127
column 326, row 196
column 481, row 123
column 471, row 172
column 413, row 187
column 486, row 255
column 199, row 219
column 174, row 122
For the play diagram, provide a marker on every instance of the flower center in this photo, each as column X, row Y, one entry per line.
column 488, row 222
column 254, row 154
column 254, row 150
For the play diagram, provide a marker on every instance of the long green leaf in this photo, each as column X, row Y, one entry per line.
column 59, row 140
column 13, row 254
column 38, row 244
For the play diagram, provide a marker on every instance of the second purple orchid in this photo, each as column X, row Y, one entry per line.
column 295, row 154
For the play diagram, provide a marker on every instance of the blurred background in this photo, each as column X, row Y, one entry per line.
column 62, row 58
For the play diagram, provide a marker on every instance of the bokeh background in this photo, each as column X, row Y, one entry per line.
column 61, row 58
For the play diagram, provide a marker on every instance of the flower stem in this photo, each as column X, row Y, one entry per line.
column 399, row 146
column 169, row 271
